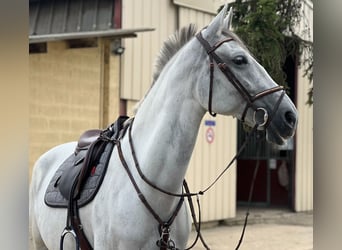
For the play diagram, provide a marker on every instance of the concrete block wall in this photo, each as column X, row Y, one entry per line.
column 66, row 90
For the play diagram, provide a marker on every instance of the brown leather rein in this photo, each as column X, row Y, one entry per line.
column 165, row 242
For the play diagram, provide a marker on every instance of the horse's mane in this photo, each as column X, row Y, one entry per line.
column 176, row 41
column 171, row 46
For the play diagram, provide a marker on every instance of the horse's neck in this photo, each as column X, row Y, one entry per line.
column 166, row 127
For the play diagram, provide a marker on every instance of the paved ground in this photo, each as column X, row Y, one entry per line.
column 267, row 229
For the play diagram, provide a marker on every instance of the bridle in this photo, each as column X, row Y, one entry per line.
column 250, row 99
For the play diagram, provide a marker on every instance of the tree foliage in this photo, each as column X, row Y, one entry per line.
column 268, row 28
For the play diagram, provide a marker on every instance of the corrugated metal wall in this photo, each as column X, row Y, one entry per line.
column 304, row 150
column 208, row 158
column 140, row 53
column 304, row 136
column 187, row 16
column 208, row 161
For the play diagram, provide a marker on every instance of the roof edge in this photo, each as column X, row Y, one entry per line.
column 87, row 34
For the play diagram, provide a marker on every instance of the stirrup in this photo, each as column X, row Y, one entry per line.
column 69, row 230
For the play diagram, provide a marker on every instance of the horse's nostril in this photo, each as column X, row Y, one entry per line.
column 291, row 118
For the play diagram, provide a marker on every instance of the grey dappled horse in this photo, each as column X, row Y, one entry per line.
column 164, row 133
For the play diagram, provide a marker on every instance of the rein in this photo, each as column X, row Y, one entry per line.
column 187, row 194
column 165, row 242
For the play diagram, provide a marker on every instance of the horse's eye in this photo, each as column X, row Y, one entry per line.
column 239, row 60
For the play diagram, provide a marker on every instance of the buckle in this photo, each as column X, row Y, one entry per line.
column 165, row 241
column 260, row 117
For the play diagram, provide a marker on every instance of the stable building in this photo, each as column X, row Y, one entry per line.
column 74, row 59
column 93, row 60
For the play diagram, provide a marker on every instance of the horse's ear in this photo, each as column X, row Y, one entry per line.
column 228, row 19
column 217, row 24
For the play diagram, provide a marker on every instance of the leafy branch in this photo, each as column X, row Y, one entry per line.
column 268, row 28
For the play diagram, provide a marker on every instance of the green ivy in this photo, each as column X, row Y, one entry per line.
column 267, row 28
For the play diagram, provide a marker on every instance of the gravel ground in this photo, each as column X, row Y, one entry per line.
column 267, row 229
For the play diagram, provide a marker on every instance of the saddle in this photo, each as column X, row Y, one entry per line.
column 78, row 179
column 81, row 174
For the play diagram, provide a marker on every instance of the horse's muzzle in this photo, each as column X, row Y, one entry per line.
column 282, row 127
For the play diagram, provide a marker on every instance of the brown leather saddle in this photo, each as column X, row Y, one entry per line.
column 78, row 179
column 81, row 174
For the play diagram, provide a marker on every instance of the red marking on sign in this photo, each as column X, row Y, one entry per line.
column 210, row 135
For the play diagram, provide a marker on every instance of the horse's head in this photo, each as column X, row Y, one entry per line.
column 232, row 82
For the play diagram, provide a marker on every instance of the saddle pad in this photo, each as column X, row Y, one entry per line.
column 54, row 198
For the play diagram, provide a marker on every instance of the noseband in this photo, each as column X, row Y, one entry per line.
column 250, row 99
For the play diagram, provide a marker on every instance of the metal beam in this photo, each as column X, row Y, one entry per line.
column 87, row 34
